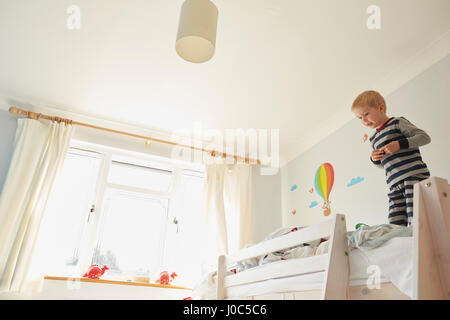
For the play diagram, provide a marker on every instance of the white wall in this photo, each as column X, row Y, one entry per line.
column 425, row 101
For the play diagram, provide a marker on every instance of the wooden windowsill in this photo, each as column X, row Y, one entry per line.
column 128, row 283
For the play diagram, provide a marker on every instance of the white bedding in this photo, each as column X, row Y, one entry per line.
column 394, row 259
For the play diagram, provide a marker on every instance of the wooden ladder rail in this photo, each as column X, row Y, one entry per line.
column 431, row 232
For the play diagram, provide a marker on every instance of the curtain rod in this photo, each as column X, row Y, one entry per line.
column 148, row 140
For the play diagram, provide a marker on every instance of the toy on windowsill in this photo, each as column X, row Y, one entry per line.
column 164, row 277
column 95, row 272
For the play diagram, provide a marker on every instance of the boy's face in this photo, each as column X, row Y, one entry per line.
column 371, row 117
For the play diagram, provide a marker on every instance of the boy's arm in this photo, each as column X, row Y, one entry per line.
column 415, row 137
column 377, row 163
column 376, row 153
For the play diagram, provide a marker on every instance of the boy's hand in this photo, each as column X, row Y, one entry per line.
column 377, row 154
column 391, row 147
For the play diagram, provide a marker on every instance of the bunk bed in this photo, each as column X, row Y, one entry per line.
column 420, row 262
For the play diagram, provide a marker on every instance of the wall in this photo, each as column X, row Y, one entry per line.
column 266, row 197
column 425, row 101
column 8, row 125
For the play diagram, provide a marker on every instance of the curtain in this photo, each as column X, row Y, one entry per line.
column 229, row 205
column 39, row 151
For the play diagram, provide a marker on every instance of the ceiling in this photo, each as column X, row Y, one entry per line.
column 292, row 65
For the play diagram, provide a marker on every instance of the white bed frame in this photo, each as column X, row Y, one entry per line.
column 431, row 271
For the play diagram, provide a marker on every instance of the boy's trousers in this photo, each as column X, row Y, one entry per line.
column 401, row 200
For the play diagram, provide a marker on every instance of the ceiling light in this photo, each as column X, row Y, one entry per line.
column 196, row 38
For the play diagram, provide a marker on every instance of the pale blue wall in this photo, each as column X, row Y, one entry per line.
column 8, row 126
column 266, row 205
column 425, row 101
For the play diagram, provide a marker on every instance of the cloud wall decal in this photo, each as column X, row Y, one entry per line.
column 355, row 181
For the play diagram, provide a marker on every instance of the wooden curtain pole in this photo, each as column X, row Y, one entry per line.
column 148, row 140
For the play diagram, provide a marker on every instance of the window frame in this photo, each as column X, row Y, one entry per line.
column 93, row 225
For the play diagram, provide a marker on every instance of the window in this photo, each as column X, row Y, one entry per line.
column 136, row 214
column 138, row 176
column 133, row 229
column 188, row 242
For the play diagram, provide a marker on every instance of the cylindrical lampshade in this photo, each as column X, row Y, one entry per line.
column 196, row 37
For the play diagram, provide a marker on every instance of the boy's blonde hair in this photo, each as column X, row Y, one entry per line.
column 369, row 98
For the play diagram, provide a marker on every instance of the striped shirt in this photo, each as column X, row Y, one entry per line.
column 407, row 161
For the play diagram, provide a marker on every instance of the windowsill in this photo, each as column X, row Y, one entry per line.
column 128, row 283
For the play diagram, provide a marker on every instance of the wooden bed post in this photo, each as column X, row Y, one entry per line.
column 431, row 232
column 338, row 270
column 221, row 273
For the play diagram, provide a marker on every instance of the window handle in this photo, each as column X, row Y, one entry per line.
column 90, row 212
column 175, row 221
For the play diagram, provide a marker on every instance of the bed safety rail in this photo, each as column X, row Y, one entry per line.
column 334, row 263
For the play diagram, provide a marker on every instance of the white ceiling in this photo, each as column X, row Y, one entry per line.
column 293, row 65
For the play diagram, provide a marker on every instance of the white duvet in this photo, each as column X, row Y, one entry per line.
column 395, row 260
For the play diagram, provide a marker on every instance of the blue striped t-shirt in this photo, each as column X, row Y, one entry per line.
column 407, row 161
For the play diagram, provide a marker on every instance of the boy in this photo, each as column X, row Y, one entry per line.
column 395, row 144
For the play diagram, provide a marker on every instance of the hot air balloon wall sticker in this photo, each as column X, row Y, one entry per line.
column 324, row 180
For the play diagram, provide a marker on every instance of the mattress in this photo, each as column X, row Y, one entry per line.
column 390, row 262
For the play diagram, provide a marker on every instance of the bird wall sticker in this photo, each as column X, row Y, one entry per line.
column 365, row 137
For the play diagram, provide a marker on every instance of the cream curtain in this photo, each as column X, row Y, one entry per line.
column 229, row 205
column 39, row 151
